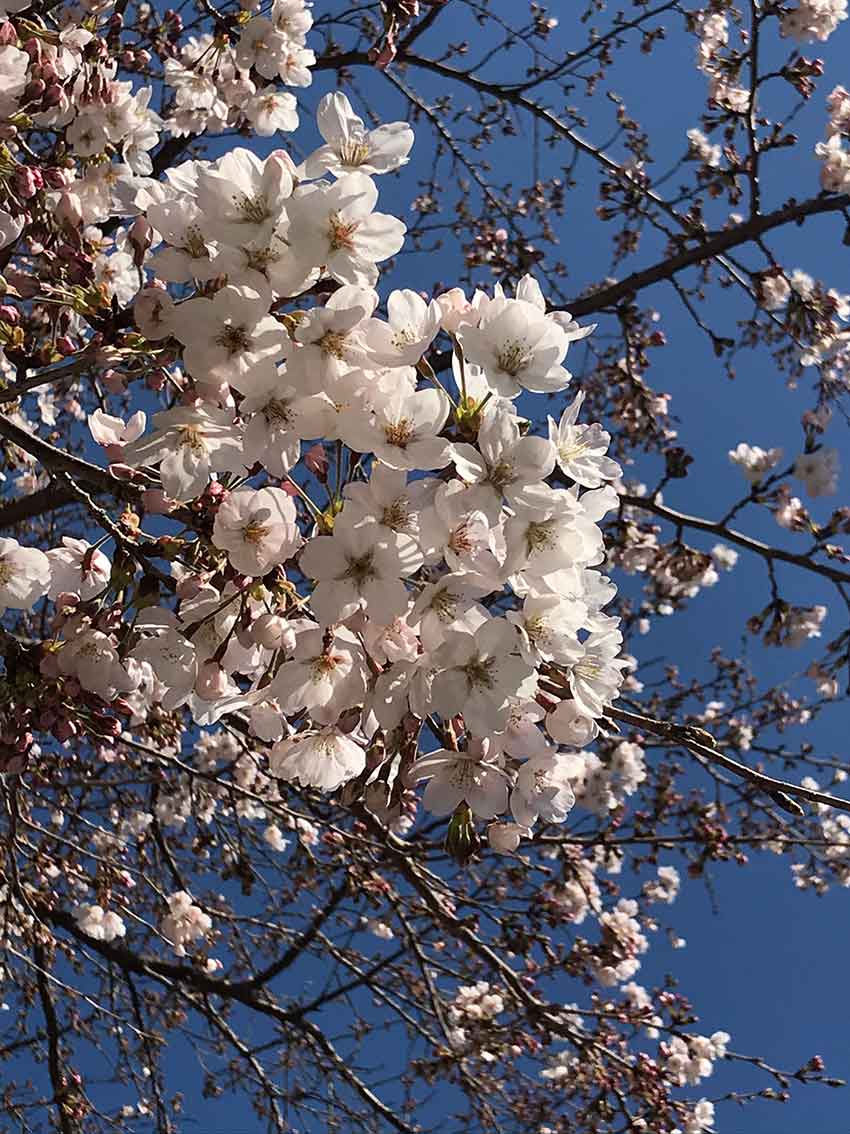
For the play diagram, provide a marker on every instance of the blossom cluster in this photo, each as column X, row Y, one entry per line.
column 833, row 153
column 218, row 85
column 442, row 582
column 813, row 20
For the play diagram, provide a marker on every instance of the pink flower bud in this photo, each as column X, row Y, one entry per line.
column 27, row 181
column 212, row 682
column 34, row 89
column 316, row 460
column 114, row 382
column 189, row 587
column 155, row 379
column 8, row 35
column 26, row 286
column 9, row 314
column 156, row 503
column 56, row 178
column 68, row 211
column 52, row 96
column 65, row 730
column 270, row 631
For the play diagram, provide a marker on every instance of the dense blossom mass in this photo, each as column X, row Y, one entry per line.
column 331, row 622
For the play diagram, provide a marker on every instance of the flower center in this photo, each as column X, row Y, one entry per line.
column 322, row 666
column 333, row 343
column 397, row 515
column 251, row 210
column 572, row 450
column 361, row 569
column 461, row 540
column 501, row 475
column 277, row 412
column 514, row 356
column 191, row 435
column 463, row 774
column 480, row 673
column 400, row 433
column 404, row 337
column 541, row 536
column 255, row 532
column 233, row 339
column 194, row 244
column 260, row 258
column 444, row 605
column 354, row 152
column 537, row 630
column 341, row 233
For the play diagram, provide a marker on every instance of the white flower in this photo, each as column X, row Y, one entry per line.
column 813, row 21
column 274, row 837
column 190, row 443
column 457, row 777
column 504, row 461
column 566, row 724
column 325, row 760
column 543, row 790
column 10, row 228
column 548, row 625
column 326, row 675
column 14, row 65
column 701, row 1118
column 114, row 433
column 581, row 449
column 819, row 472
column 356, row 566
column 173, row 659
column 478, row 673
column 92, row 658
column 412, row 326
column 153, row 311
column 243, row 197
column 98, row 923
column 271, row 111
column 184, row 923
column 24, row 575
column 753, row 461
column 77, row 568
column 279, row 419
column 189, row 235
column 257, row 529
column 802, row 623
column 230, row 337
column 504, row 838
column 596, row 677
column 335, row 226
column 518, row 348
column 404, row 431
column 350, row 147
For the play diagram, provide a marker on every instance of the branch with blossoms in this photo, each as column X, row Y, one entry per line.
column 313, row 744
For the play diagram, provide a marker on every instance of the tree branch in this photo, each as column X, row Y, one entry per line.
column 716, row 527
